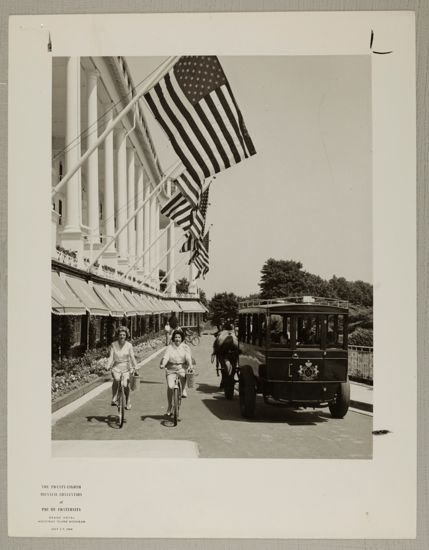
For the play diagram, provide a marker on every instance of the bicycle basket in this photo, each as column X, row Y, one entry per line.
column 190, row 379
column 134, row 381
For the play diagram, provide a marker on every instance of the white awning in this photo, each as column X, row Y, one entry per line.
column 191, row 306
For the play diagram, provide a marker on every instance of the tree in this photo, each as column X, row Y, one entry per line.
column 182, row 286
column 203, row 298
column 287, row 278
column 282, row 278
column 223, row 306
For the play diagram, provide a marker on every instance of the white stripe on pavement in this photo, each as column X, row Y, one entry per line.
column 150, row 448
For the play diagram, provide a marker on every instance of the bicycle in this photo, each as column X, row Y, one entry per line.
column 121, row 399
column 176, row 400
column 191, row 337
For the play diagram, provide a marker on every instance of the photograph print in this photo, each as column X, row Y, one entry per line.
column 211, row 257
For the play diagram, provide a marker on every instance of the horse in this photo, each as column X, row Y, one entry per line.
column 226, row 352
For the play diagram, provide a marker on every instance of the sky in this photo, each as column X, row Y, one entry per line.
column 307, row 193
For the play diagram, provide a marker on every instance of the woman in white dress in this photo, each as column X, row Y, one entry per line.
column 176, row 356
column 121, row 361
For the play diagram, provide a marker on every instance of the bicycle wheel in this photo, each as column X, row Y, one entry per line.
column 195, row 340
column 176, row 405
column 121, row 407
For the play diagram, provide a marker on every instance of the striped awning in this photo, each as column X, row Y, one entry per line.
column 107, row 298
column 85, row 293
column 64, row 302
column 125, row 304
column 148, row 307
column 172, row 306
column 191, row 306
column 134, row 301
column 156, row 304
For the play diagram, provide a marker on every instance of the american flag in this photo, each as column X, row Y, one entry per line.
column 189, row 245
column 196, row 108
column 189, row 188
column 198, row 222
column 200, row 258
column 179, row 209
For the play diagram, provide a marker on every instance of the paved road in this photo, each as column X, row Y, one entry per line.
column 215, row 425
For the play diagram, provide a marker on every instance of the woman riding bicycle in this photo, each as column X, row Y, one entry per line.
column 176, row 356
column 122, row 362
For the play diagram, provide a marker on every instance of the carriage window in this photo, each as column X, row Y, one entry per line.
column 242, row 328
column 255, row 328
column 262, row 328
column 280, row 329
column 309, row 331
column 248, row 328
column 336, row 335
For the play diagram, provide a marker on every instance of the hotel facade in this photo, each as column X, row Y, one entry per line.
column 101, row 276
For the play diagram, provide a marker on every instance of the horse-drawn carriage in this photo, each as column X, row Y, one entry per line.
column 294, row 351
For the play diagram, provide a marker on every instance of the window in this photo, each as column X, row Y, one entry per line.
column 309, row 331
column 336, row 335
column 242, row 327
column 280, row 329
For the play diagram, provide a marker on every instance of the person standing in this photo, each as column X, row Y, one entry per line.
column 173, row 321
column 167, row 329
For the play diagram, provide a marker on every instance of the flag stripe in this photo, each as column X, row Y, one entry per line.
column 210, row 129
column 224, row 146
column 232, row 118
column 179, row 210
column 191, row 144
column 174, row 92
column 220, row 124
column 172, row 136
column 249, row 144
column 190, row 189
column 225, row 117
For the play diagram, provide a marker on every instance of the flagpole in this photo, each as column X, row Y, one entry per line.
column 152, row 80
column 133, row 215
column 147, row 250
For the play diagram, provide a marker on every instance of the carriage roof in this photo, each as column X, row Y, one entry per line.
column 296, row 304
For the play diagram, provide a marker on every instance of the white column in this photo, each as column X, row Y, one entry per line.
column 192, row 283
column 109, row 190
column 152, row 253
column 158, row 243
column 139, row 220
column 131, row 229
column 121, row 195
column 171, row 285
column 146, row 227
column 92, row 184
column 71, row 236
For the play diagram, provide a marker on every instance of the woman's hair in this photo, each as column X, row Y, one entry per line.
column 122, row 328
column 179, row 332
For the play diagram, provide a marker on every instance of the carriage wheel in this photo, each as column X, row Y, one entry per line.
column 341, row 404
column 247, row 392
column 121, row 407
column 176, row 405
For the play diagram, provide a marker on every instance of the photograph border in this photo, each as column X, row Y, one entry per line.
column 422, row 240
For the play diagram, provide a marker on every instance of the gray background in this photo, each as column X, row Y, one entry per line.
column 421, row 7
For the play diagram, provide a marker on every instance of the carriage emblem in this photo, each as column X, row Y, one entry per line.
column 308, row 371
